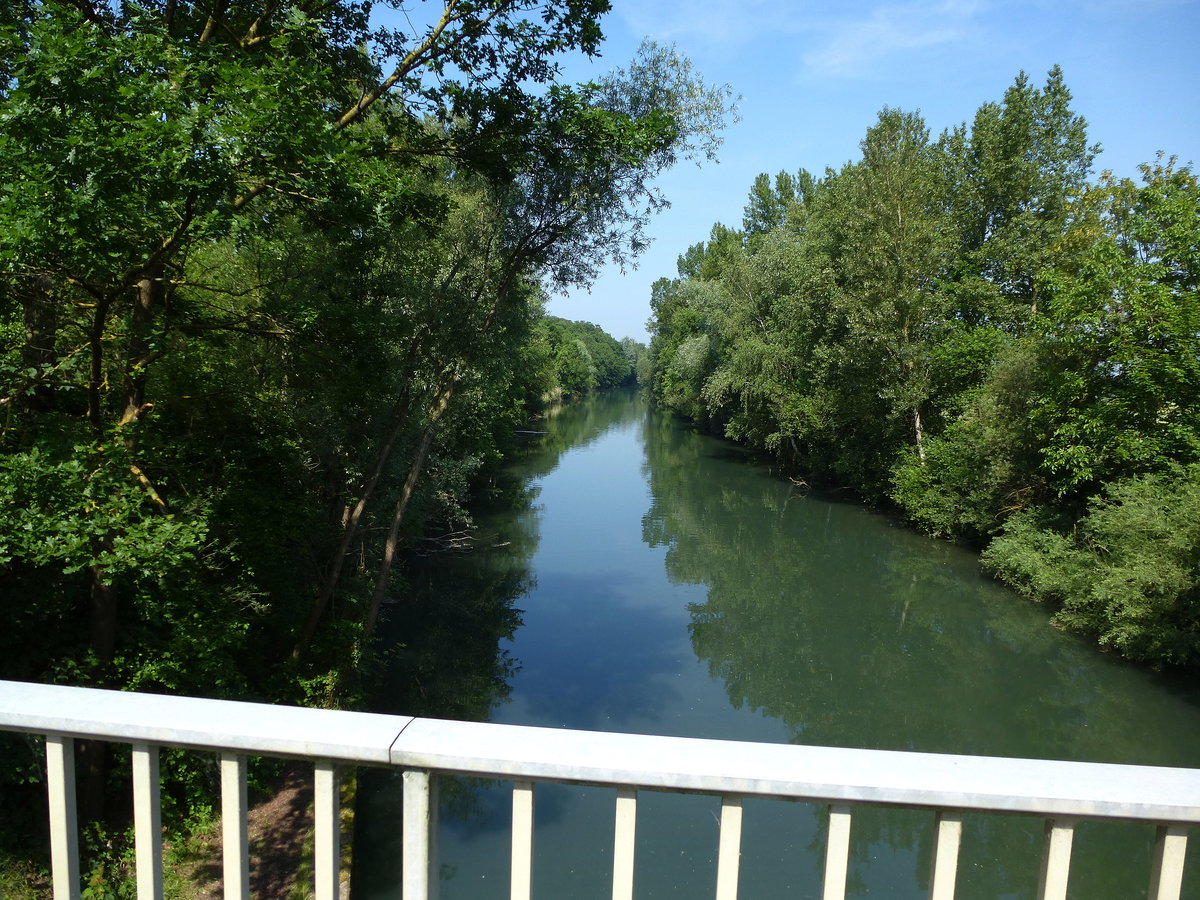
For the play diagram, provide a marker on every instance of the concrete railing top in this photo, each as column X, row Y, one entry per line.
column 256, row 728
column 825, row 774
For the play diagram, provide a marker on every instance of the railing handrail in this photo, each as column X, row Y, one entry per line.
column 253, row 728
column 822, row 774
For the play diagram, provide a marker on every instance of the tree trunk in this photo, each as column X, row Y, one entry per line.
column 92, row 763
column 151, row 291
column 920, row 432
column 441, row 402
column 333, row 577
column 104, row 598
column 352, row 522
column 92, row 773
column 102, row 617
column 41, row 336
column 96, row 378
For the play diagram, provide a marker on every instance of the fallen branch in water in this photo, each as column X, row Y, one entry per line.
column 458, row 541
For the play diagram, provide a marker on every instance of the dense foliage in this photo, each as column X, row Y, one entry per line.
column 970, row 328
column 271, row 290
column 585, row 358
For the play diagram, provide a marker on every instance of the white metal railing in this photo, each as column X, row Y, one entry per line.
column 1060, row 792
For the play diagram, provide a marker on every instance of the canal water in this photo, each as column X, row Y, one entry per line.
column 630, row 574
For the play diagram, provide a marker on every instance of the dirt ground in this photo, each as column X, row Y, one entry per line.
column 280, row 832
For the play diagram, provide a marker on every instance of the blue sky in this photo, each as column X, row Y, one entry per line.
column 813, row 76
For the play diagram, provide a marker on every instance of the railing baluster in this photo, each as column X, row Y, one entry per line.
column 1170, row 847
column 730, row 852
column 837, row 853
column 420, row 835
column 1056, row 859
column 521, row 880
column 147, row 822
column 327, row 837
column 623, row 843
column 946, row 842
column 235, row 848
column 64, row 825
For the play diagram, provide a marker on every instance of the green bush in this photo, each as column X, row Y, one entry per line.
column 1128, row 573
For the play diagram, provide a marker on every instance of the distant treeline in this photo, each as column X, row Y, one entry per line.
column 583, row 358
column 973, row 329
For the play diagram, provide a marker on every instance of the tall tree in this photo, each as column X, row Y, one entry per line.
column 884, row 230
column 769, row 205
column 1015, row 173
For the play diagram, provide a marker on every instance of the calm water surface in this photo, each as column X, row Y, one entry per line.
column 637, row 576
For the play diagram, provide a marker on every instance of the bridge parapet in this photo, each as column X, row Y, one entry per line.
column 950, row 786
